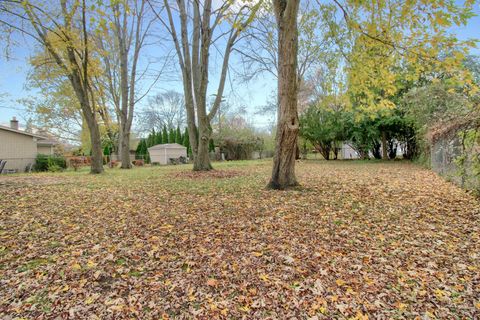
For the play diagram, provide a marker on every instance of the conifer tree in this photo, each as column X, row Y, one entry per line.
column 151, row 139
column 186, row 142
column 165, row 135
column 178, row 136
column 158, row 138
column 171, row 136
column 141, row 149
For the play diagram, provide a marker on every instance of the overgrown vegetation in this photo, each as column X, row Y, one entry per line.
column 434, row 118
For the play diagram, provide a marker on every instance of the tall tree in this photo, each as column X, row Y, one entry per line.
column 283, row 172
column 193, row 51
column 63, row 31
column 141, row 149
column 57, row 110
column 413, row 31
column 125, row 29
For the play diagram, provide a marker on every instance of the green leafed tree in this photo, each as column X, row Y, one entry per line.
column 381, row 33
column 107, row 151
column 325, row 127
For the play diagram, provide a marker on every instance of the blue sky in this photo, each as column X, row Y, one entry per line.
column 14, row 71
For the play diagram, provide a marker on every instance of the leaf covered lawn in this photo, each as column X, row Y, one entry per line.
column 358, row 240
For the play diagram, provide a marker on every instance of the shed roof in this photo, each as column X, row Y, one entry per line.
column 167, row 146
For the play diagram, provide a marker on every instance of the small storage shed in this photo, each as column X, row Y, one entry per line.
column 162, row 153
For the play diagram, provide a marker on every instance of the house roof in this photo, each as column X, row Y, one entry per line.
column 22, row 132
column 167, row 146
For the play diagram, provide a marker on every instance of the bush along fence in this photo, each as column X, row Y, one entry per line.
column 455, row 154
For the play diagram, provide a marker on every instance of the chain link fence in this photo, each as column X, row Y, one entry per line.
column 457, row 162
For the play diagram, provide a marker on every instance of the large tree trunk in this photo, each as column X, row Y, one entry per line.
column 202, row 159
column 384, row 146
column 95, row 140
column 125, row 149
column 283, row 173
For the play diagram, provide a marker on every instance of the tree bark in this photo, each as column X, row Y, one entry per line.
column 96, row 165
column 97, row 154
column 125, row 149
column 202, row 160
column 283, row 172
column 384, row 146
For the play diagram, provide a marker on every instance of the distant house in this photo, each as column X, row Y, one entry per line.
column 133, row 149
column 20, row 148
column 347, row 152
column 162, row 153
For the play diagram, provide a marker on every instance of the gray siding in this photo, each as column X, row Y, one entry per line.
column 18, row 149
column 48, row 150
